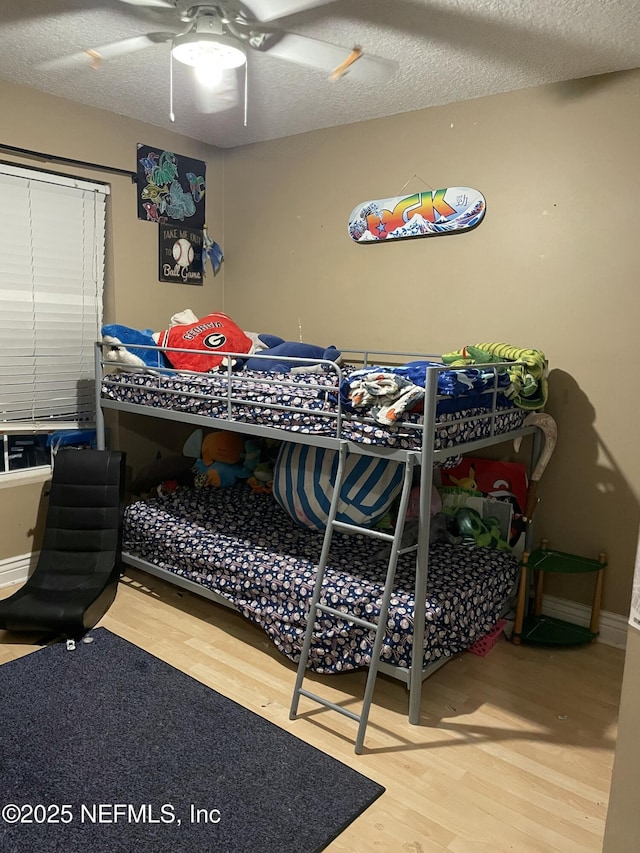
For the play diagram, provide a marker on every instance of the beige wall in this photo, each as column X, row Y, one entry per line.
column 133, row 294
column 554, row 266
column 622, row 832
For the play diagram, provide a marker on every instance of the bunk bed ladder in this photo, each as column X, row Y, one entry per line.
column 316, row 607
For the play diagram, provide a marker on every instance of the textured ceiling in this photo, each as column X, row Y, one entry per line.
column 446, row 50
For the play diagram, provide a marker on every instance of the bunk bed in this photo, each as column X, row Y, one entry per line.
column 350, row 597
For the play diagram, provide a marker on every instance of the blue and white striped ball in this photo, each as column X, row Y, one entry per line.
column 304, row 479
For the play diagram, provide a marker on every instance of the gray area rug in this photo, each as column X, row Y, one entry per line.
column 107, row 748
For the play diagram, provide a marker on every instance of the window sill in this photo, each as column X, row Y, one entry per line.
column 25, row 477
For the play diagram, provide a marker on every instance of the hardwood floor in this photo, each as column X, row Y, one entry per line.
column 514, row 751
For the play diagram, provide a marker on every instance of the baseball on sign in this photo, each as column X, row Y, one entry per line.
column 183, row 252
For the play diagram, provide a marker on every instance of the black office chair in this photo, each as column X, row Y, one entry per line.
column 76, row 577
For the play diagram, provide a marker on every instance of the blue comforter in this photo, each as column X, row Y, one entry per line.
column 388, row 392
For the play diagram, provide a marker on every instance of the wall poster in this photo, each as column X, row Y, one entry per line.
column 171, row 187
column 180, row 254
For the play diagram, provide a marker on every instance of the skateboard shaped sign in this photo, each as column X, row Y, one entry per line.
column 424, row 214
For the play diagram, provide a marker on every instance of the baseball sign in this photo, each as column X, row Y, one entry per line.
column 180, row 255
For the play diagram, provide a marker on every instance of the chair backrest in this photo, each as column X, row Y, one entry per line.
column 83, row 533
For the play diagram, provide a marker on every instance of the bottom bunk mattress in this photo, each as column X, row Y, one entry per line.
column 245, row 547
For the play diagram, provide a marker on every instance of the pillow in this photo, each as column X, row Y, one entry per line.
column 292, row 349
column 215, row 333
column 304, row 479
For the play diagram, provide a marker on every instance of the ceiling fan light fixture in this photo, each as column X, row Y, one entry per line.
column 206, row 51
column 208, row 74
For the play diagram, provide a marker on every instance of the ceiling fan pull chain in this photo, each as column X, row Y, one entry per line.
column 246, row 86
column 172, row 115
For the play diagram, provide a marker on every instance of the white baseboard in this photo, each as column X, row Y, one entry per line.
column 613, row 627
column 17, row 569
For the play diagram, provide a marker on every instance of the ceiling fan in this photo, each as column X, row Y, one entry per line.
column 216, row 39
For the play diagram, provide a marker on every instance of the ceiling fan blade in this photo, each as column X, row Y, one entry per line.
column 329, row 57
column 222, row 95
column 162, row 4
column 271, row 10
column 94, row 56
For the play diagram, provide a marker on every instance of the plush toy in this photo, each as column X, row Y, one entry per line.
column 262, row 478
column 278, row 349
column 528, row 381
column 201, row 346
column 224, row 458
column 261, row 456
column 476, row 530
column 124, row 344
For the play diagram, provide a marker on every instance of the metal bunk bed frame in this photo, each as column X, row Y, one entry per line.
column 425, row 457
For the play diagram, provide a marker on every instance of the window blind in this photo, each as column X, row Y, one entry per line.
column 52, row 239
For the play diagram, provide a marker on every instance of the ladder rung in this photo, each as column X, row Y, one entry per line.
column 366, row 531
column 378, row 628
column 348, row 616
column 329, row 704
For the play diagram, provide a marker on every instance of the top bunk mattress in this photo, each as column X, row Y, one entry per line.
column 470, row 403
